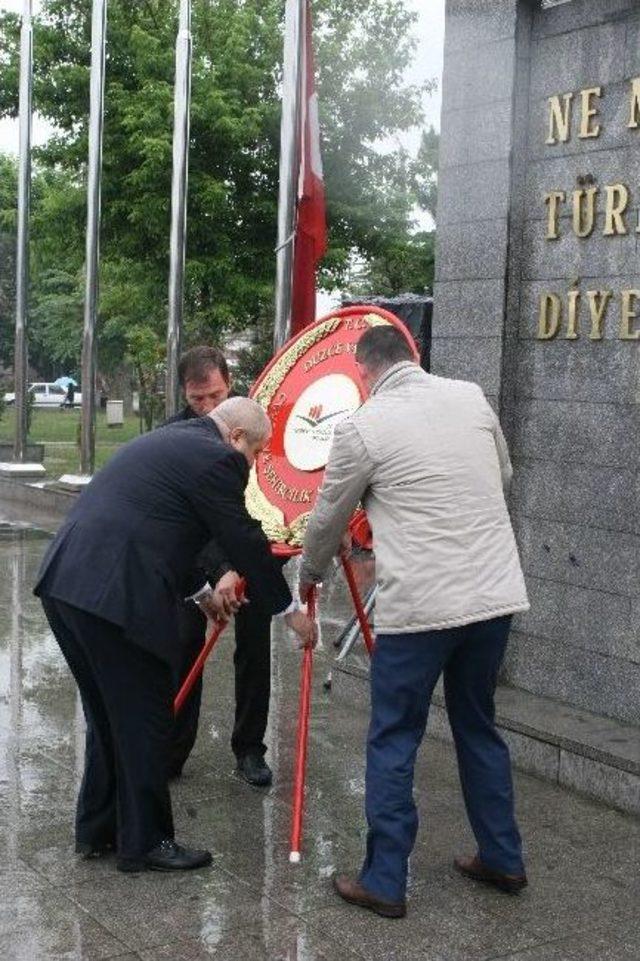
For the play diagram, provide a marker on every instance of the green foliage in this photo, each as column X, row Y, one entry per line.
column 363, row 47
column 253, row 358
column 8, row 202
column 425, row 171
column 404, row 265
column 145, row 351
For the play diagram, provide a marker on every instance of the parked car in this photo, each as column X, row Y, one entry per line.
column 47, row 395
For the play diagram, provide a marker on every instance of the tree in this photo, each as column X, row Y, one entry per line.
column 425, row 171
column 8, row 203
column 404, row 266
column 362, row 47
column 146, row 353
column 55, row 296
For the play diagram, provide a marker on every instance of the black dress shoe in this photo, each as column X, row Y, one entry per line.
column 254, row 769
column 167, row 856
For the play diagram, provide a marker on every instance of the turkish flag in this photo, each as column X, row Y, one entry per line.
column 310, row 242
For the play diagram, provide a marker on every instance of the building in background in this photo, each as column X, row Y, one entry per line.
column 537, row 298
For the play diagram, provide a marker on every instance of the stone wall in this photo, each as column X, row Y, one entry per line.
column 569, row 405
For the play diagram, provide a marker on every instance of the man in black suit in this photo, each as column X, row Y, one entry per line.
column 111, row 584
column 204, row 378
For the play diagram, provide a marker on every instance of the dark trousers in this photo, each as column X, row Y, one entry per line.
column 252, row 661
column 404, row 672
column 126, row 695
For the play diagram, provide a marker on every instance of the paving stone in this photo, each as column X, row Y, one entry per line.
column 288, row 939
column 149, row 910
column 40, row 924
column 578, row 949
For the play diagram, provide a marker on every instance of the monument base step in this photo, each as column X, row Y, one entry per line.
column 17, row 471
column 588, row 753
column 72, row 482
column 34, row 502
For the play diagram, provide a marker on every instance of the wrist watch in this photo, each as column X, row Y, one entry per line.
column 197, row 597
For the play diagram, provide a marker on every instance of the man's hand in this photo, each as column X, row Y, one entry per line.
column 221, row 602
column 304, row 627
column 225, row 595
column 210, row 605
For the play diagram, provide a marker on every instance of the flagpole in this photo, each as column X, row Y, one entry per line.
column 96, row 125
column 22, row 250
column 182, row 99
column 289, row 165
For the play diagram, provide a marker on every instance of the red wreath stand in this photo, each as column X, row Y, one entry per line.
column 324, row 349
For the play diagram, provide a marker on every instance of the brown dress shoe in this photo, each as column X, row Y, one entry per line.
column 354, row 893
column 474, row 868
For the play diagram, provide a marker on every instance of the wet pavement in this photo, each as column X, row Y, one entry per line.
column 583, row 903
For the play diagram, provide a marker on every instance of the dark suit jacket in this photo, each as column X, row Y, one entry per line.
column 127, row 549
column 211, row 562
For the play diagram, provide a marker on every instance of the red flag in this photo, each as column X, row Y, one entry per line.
column 311, row 225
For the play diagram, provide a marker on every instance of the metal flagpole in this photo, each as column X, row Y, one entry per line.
column 289, row 165
column 96, row 123
column 22, row 252
column 182, row 101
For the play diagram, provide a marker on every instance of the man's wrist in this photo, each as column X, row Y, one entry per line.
column 307, row 576
column 291, row 609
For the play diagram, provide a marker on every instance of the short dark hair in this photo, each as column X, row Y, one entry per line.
column 383, row 346
column 196, row 364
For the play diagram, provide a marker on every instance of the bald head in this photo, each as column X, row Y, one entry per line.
column 242, row 413
column 243, row 424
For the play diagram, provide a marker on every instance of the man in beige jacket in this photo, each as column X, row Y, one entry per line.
column 427, row 458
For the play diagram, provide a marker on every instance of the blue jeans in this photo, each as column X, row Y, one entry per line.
column 404, row 672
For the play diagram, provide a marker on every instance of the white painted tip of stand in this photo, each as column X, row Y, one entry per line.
column 294, row 857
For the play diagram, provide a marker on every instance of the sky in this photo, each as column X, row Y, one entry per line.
column 428, row 63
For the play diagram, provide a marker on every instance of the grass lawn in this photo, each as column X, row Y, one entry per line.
column 58, row 431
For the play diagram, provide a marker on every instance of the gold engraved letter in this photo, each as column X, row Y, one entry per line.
column 617, row 203
column 584, row 211
column 550, row 316
column 629, row 298
column 634, row 123
column 598, row 303
column 572, row 320
column 552, row 200
column 559, row 119
column 586, row 129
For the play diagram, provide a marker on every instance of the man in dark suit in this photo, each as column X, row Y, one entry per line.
column 111, row 583
column 204, row 378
